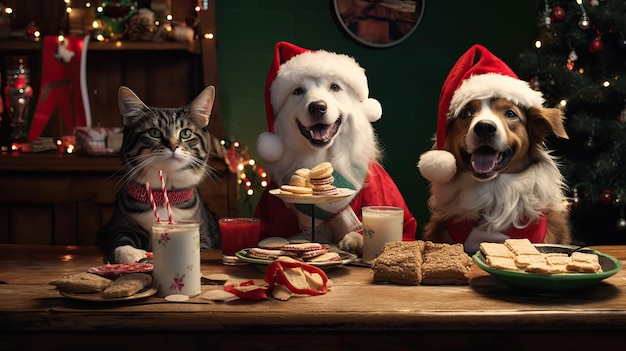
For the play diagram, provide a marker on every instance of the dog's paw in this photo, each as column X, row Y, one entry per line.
column 352, row 242
column 437, row 166
column 128, row 254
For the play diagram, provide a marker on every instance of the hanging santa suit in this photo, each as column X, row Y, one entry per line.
column 63, row 84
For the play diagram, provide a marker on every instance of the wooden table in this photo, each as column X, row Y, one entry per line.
column 355, row 314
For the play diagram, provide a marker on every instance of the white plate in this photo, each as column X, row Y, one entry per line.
column 99, row 298
column 312, row 199
column 262, row 263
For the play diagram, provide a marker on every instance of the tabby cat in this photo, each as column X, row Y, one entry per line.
column 176, row 141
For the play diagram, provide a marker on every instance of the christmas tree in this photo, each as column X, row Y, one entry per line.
column 579, row 64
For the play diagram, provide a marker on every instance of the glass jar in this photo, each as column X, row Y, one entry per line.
column 17, row 95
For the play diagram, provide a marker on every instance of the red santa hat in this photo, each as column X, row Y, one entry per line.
column 478, row 74
column 290, row 65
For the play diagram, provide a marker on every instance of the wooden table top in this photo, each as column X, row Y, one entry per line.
column 354, row 303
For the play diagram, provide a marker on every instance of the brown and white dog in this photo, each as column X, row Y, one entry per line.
column 491, row 175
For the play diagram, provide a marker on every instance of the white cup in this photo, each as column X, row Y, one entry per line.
column 176, row 248
column 381, row 224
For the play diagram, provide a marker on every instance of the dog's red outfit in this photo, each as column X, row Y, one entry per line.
column 535, row 232
column 378, row 189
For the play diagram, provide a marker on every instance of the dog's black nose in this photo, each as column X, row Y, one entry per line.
column 485, row 130
column 317, row 109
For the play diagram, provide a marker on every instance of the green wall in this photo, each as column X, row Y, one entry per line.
column 405, row 78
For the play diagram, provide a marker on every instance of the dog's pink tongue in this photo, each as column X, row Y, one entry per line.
column 320, row 132
column 484, row 160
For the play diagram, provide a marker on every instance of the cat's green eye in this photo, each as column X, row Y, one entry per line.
column 155, row 133
column 185, row 134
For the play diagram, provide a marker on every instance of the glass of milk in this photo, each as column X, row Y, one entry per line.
column 176, row 248
column 381, row 224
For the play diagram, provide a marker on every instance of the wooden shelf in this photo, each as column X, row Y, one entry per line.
column 190, row 46
column 52, row 162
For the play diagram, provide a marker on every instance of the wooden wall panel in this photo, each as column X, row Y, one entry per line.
column 31, row 225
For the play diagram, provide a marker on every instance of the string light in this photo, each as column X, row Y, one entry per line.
column 249, row 173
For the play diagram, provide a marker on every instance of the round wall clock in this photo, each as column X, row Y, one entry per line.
column 379, row 23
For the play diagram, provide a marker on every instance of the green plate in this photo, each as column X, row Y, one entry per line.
column 262, row 263
column 553, row 283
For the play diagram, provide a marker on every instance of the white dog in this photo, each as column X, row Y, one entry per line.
column 318, row 110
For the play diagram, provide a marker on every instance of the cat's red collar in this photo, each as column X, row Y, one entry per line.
column 138, row 192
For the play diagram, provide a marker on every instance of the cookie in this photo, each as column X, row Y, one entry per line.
column 302, row 172
column 325, row 190
column 297, row 180
column 323, row 181
column 322, row 170
column 297, row 190
column 127, row 285
column 274, row 242
column 82, row 283
column 326, row 257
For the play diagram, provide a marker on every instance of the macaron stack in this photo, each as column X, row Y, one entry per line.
column 317, row 181
column 321, row 177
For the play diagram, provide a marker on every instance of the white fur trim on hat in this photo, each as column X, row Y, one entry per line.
column 270, row 147
column 493, row 85
column 315, row 64
column 437, row 166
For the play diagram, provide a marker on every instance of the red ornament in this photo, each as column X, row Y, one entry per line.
column 557, row 14
column 606, row 197
column 596, row 45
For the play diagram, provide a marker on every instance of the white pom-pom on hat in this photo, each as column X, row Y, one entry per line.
column 372, row 109
column 270, row 147
column 437, row 166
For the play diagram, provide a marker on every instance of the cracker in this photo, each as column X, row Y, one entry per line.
column 522, row 261
column 545, row 268
column 583, row 267
column 498, row 262
column 521, row 246
column 585, row 257
column 495, row 249
column 557, row 259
